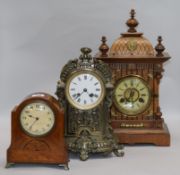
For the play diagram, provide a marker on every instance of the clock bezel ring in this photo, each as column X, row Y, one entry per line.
column 85, row 71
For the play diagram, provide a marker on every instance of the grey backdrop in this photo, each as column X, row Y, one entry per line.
column 37, row 37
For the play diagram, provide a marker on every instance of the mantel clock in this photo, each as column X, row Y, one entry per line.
column 84, row 89
column 137, row 69
column 38, row 132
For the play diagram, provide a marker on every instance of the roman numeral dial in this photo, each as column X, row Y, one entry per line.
column 132, row 95
column 85, row 90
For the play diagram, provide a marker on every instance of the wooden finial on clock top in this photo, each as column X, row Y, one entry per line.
column 132, row 23
column 104, row 48
column 159, row 47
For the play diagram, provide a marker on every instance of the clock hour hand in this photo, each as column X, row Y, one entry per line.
column 31, row 116
column 79, row 94
column 91, row 95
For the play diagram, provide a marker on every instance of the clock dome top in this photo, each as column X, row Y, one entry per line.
column 132, row 43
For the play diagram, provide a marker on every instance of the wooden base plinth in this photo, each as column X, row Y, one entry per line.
column 159, row 137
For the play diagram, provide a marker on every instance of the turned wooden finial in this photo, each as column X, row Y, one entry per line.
column 132, row 22
column 159, row 47
column 103, row 47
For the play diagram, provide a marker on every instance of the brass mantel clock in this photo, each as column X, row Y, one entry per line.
column 84, row 89
column 137, row 70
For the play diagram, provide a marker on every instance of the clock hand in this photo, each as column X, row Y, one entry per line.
column 31, row 116
column 36, row 119
column 91, row 95
column 79, row 94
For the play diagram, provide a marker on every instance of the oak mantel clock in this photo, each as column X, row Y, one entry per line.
column 38, row 132
column 84, row 89
column 137, row 69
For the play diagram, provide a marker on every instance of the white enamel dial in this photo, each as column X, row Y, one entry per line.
column 37, row 118
column 85, row 90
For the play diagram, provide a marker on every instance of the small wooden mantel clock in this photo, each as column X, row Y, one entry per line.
column 137, row 70
column 37, row 134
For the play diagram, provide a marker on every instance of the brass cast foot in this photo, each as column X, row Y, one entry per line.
column 84, row 155
column 118, row 152
column 66, row 167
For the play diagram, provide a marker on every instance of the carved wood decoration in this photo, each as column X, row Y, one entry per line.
column 46, row 149
column 133, row 55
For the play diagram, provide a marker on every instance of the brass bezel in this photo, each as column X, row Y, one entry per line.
column 130, row 113
column 86, row 71
column 31, row 134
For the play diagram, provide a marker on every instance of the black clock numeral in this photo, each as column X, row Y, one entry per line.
column 142, row 89
column 30, row 107
column 125, row 84
column 48, row 125
column 79, row 78
column 119, row 95
column 27, row 112
column 85, row 102
column 96, row 83
column 37, row 106
column 143, row 95
column 141, row 100
column 95, row 95
column 72, row 89
column 92, row 100
column 74, row 83
column 74, row 95
column 79, row 100
column 137, row 84
column 91, row 79
column 97, row 89
column 24, row 118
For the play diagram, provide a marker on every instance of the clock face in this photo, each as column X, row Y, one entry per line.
column 132, row 95
column 37, row 119
column 85, row 90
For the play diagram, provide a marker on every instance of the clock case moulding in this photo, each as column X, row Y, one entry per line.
column 46, row 149
column 132, row 54
column 88, row 131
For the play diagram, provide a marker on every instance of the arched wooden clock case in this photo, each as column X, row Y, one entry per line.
column 49, row 148
column 132, row 55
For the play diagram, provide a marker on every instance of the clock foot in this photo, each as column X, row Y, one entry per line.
column 118, row 152
column 8, row 165
column 66, row 167
column 84, row 155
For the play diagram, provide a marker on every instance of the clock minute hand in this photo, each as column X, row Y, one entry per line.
column 36, row 119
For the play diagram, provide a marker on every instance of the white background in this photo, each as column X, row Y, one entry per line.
column 37, row 37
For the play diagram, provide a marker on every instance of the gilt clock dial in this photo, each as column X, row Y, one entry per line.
column 37, row 118
column 85, row 90
column 132, row 95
